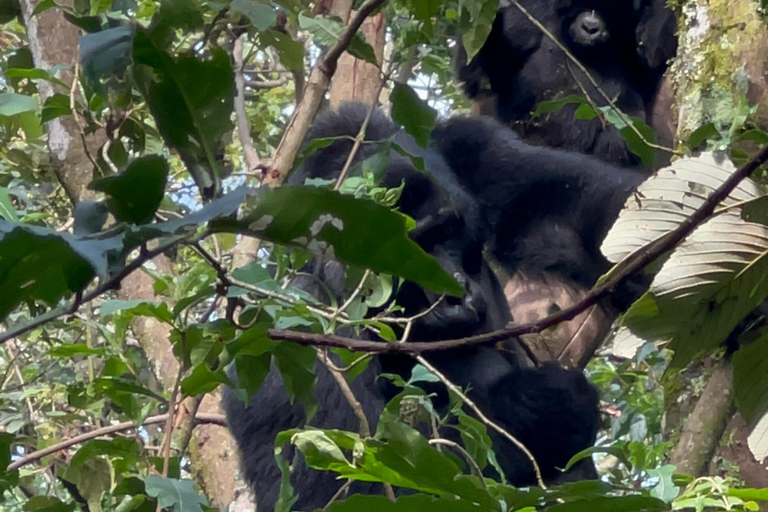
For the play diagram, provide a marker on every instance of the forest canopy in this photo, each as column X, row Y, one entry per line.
column 153, row 253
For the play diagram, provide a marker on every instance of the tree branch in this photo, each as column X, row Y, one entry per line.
column 634, row 263
column 317, row 86
column 216, row 419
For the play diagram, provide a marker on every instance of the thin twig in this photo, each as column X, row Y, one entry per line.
column 252, row 160
column 360, row 135
column 73, row 109
column 200, row 418
column 464, row 453
column 353, row 296
column 485, row 419
column 354, row 403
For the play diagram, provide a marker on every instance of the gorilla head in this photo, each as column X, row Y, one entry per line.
column 624, row 44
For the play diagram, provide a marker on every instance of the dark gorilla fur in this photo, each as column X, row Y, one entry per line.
column 624, row 44
column 528, row 402
column 549, row 209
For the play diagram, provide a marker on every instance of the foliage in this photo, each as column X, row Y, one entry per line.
column 156, row 78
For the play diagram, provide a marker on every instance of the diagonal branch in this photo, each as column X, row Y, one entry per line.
column 317, row 86
column 632, row 264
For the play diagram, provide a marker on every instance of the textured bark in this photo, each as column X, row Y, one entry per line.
column 706, row 424
column 212, row 450
column 356, row 80
column 52, row 41
column 721, row 59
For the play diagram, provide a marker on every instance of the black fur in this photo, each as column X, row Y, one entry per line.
column 624, row 44
column 452, row 227
column 549, row 209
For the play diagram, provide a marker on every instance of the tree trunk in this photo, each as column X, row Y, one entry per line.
column 52, row 41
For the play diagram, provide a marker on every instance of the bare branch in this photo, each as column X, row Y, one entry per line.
column 201, row 418
column 243, row 130
column 318, row 83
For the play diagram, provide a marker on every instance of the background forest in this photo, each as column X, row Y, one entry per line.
column 135, row 264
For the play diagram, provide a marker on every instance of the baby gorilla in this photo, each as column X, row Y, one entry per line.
column 449, row 225
column 624, row 44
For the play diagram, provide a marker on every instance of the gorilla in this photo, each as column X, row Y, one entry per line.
column 450, row 224
column 624, row 44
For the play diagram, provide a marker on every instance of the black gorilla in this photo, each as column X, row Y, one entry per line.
column 528, row 402
column 624, row 44
column 549, row 209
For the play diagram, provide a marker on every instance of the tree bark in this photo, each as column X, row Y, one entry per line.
column 706, row 424
column 53, row 40
column 356, row 80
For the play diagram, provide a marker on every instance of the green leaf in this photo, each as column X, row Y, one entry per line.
column 55, row 106
column 482, row 14
column 42, row 264
column 75, row 349
column 203, row 380
column 191, row 101
column 712, row 280
column 7, row 211
column 262, row 16
column 136, row 193
column 291, row 52
column 327, row 32
column 612, row 504
column 750, row 379
column 703, row 133
column 413, row 114
column 637, row 145
column 545, row 107
column 12, row 104
column 138, row 307
column 177, row 495
column 415, row 503
column 106, row 51
column 297, row 368
column 665, row 490
column 356, row 231
column 124, row 453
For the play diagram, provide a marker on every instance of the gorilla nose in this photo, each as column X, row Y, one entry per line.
column 591, row 24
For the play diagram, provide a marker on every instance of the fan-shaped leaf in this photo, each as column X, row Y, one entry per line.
column 706, row 287
column 666, row 199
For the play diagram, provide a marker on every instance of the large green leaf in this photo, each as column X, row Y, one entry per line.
column 412, row 113
column 41, row 264
column 136, row 193
column 356, row 231
column 705, row 288
column 669, row 197
column 191, row 101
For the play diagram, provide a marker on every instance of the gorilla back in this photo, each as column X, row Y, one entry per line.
column 451, row 226
column 448, row 228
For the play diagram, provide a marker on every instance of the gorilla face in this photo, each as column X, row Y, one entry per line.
column 588, row 29
column 623, row 44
